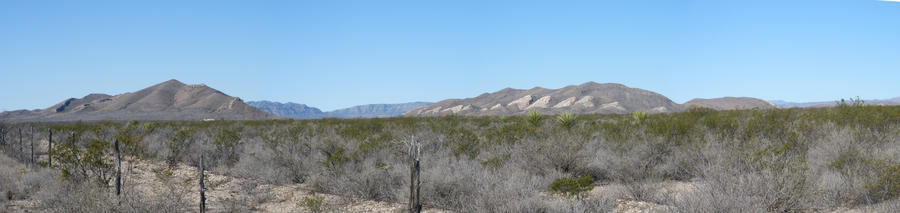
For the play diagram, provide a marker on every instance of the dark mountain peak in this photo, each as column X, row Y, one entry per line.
column 167, row 84
column 595, row 85
column 589, row 84
column 95, row 96
column 172, row 81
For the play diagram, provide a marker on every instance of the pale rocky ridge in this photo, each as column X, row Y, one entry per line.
column 565, row 103
column 590, row 97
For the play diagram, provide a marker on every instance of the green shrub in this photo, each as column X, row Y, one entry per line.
column 535, row 118
column 314, row 203
column 572, row 186
column 179, row 145
column 495, row 162
column 566, row 120
column 336, row 159
column 227, row 141
column 886, row 184
column 639, row 116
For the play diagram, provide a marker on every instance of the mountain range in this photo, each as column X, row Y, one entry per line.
column 302, row 111
column 590, row 97
column 787, row 104
column 174, row 100
column 169, row 100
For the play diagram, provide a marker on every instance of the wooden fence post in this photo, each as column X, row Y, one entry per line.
column 118, row 169
column 414, row 180
column 202, row 188
column 32, row 146
column 74, row 155
column 50, row 149
column 21, row 150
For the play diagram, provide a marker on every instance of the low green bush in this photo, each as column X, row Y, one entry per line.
column 314, row 203
column 572, row 186
column 886, row 184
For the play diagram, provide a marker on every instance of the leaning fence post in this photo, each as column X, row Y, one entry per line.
column 414, row 181
column 202, row 188
column 118, row 169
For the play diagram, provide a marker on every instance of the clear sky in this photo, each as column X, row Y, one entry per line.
column 334, row 54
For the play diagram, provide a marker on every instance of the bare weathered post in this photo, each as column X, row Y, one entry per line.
column 412, row 177
column 21, row 150
column 32, row 146
column 50, row 149
column 118, row 169
column 418, row 182
column 72, row 142
column 202, row 188
column 414, row 181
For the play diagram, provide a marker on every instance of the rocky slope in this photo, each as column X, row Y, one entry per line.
column 170, row 100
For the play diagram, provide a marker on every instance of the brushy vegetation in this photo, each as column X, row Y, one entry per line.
column 780, row 160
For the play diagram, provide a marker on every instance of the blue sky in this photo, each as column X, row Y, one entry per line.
column 334, row 54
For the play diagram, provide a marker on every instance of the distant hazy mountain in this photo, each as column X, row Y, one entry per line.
column 302, row 111
column 376, row 110
column 170, row 100
column 589, row 97
column 787, row 104
column 730, row 103
column 288, row 110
